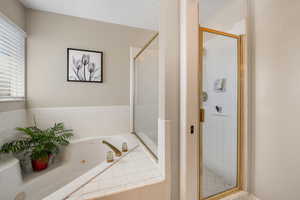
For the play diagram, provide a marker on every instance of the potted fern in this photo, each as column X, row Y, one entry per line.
column 39, row 144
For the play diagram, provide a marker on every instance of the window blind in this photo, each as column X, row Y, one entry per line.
column 12, row 61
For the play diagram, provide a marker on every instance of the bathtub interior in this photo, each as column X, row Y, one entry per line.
column 78, row 163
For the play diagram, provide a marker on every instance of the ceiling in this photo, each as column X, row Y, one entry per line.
column 209, row 8
column 135, row 13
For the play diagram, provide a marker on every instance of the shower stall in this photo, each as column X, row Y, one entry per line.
column 144, row 93
column 221, row 130
column 221, row 108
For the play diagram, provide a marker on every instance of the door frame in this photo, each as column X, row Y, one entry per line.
column 189, row 100
column 240, row 127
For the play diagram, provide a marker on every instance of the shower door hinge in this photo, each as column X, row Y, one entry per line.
column 202, row 115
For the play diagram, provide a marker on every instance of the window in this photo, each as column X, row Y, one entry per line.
column 12, row 61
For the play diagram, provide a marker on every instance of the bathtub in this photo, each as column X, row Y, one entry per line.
column 81, row 161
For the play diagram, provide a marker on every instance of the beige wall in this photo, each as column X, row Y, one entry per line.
column 15, row 11
column 169, row 64
column 156, row 191
column 276, row 98
column 49, row 36
column 221, row 15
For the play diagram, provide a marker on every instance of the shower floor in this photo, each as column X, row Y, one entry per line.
column 213, row 184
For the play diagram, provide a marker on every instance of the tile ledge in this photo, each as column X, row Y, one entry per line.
column 139, row 156
column 241, row 195
column 125, row 189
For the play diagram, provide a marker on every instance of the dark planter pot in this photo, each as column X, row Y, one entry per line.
column 40, row 164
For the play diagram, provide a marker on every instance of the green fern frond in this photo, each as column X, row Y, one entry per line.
column 39, row 142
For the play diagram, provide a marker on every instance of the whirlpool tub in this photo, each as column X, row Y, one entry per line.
column 80, row 162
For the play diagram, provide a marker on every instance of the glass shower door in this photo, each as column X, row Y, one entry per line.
column 145, row 106
column 221, row 102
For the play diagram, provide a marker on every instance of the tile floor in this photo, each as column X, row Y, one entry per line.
column 135, row 170
column 213, row 184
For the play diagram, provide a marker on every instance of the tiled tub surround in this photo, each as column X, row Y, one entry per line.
column 8, row 123
column 87, row 160
column 81, row 161
column 85, row 121
column 135, row 170
column 9, row 167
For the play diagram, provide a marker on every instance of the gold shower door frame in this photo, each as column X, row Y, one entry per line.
column 240, row 92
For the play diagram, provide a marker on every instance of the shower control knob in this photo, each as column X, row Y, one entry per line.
column 124, row 147
column 219, row 109
column 109, row 157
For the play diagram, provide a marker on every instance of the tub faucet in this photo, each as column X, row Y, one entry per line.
column 115, row 149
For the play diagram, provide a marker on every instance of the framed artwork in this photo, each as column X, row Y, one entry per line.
column 85, row 66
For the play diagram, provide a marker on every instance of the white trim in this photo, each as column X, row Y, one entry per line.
column 189, row 101
column 12, row 111
column 251, row 95
column 78, row 108
column 132, row 55
column 12, row 99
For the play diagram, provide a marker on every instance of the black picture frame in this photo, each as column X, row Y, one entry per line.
column 88, row 51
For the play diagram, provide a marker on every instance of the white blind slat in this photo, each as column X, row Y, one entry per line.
column 12, row 61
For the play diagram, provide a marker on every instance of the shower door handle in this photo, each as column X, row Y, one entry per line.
column 202, row 115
